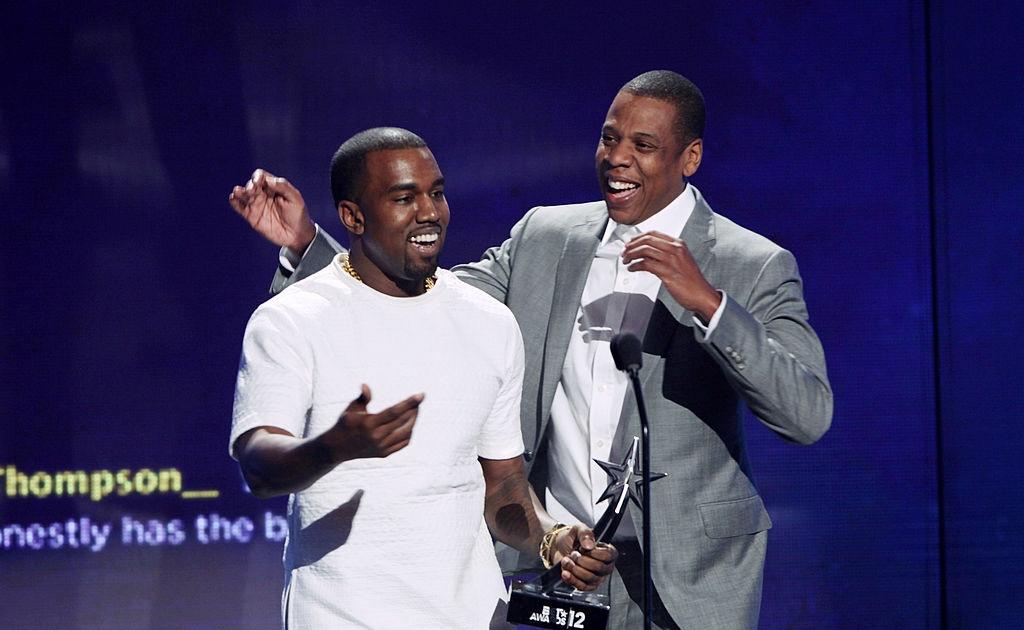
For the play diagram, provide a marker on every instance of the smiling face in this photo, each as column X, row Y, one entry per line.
column 641, row 164
column 399, row 220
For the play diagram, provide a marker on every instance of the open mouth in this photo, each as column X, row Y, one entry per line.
column 426, row 243
column 620, row 190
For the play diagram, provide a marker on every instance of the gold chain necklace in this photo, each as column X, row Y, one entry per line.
column 428, row 283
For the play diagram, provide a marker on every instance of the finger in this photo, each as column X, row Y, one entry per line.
column 358, row 404
column 659, row 235
column 280, row 186
column 395, row 431
column 389, row 432
column 239, row 199
column 235, row 202
column 604, row 553
column 649, row 265
column 647, row 240
column 595, row 565
column 259, row 182
column 258, row 176
column 585, row 538
column 395, row 448
column 255, row 181
column 576, row 583
column 400, row 430
column 651, row 236
column 578, row 570
column 396, row 410
column 400, row 437
column 644, row 251
column 242, row 194
column 574, row 576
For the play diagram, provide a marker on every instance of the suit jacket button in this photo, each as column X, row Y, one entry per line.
column 528, row 456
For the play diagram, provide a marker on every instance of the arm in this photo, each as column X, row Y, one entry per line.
column 773, row 356
column 512, row 511
column 767, row 350
column 275, row 462
column 515, row 517
column 493, row 272
column 320, row 252
column 275, row 209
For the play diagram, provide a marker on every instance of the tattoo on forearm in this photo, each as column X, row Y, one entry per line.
column 513, row 518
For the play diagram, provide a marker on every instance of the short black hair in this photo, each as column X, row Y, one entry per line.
column 347, row 165
column 674, row 88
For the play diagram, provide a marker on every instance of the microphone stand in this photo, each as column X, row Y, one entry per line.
column 645, row 440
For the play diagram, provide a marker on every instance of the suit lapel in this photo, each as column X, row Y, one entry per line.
column 574, row 263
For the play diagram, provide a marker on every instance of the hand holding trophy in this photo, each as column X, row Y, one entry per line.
column 547, row 601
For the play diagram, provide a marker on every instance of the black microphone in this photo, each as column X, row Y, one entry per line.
column 627, row 351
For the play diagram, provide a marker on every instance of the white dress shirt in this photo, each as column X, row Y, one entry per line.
column 588, row 400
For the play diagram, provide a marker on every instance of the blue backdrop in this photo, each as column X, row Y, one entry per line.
column 879, row 142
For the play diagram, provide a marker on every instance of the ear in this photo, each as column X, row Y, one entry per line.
column 692, row 155
column 351, row 217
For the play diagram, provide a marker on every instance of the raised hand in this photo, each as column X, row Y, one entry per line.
column 359, row 434
column 275, row 209
column 585, row 562
column 670, row 259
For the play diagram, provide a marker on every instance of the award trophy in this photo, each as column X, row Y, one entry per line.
column 548, row 602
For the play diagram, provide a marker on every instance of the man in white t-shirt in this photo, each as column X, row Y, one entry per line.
column 390, row 509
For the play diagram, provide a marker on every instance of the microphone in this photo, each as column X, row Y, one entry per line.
column 627, row 352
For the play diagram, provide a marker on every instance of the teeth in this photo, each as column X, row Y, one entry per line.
column 614, row 185
column 424, row 238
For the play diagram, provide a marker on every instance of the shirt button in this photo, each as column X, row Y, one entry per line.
column 600, row 443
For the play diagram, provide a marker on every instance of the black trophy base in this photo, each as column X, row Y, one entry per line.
column 529, row 605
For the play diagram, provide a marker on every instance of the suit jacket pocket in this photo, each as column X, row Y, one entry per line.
column 737, row 517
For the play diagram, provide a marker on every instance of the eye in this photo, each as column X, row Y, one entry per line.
column 607, row 139
column 404, row 199
column 437, row 194
column 645, row 146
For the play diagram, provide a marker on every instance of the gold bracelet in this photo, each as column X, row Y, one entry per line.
column 548, row 541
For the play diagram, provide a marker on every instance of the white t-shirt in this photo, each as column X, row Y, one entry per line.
column 397, row 541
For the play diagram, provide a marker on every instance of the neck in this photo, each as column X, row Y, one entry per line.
column 377, row 279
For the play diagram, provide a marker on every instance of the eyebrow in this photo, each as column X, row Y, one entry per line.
column 642, row 134
column 638, row 134
column 412, row 185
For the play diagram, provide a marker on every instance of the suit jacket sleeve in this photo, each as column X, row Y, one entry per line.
column 318, row 255
column 492, row 273
column 773, row 357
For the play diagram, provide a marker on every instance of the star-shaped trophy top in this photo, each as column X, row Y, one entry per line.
column 626, row 479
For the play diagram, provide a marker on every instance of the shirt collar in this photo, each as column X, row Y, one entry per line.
column 669, row 220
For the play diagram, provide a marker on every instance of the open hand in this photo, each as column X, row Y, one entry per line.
column 359, row 434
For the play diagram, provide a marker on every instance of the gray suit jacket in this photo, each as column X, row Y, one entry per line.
column 709, row 523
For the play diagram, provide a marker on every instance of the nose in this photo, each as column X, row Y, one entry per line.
column 427, row 211
column 618, row 154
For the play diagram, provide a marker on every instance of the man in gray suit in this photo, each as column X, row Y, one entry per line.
column 721, row 314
